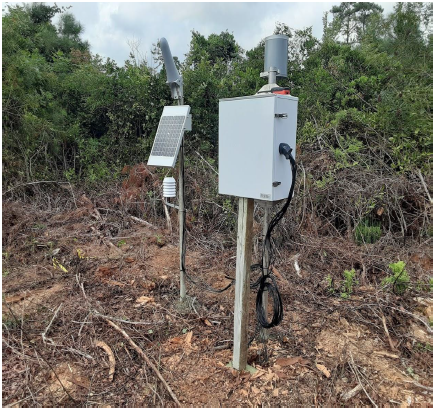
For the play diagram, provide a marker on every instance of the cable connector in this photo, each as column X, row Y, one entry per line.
column 286, row 150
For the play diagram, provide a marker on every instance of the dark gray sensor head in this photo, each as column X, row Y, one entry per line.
column 174, row 80
column 276, row 54
column 172, row 73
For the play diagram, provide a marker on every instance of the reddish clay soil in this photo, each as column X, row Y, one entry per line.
column 63, row 272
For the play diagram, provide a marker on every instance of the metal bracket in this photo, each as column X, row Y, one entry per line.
column 171, row 205
column 188, row 123
column 272, row 69
column 281, row 115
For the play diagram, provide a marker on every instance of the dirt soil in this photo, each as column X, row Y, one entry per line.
column 65, row 273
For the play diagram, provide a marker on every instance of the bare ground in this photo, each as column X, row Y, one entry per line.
column 63, row 272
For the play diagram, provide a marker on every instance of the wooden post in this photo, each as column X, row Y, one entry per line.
column 242, row 286
column 265, row 265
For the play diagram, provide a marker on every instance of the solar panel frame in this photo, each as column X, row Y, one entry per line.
column 169, row 135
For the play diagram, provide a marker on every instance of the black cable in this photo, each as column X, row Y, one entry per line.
column 266, row 282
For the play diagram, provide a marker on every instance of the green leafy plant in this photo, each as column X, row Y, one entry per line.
column 325, row 181
column 399, row 280
column 419, row 347
column 160, row 241
column 70, row 175
column 121, row 243
column 330, row 284
column 227, row 206
column 346, row 288
column 424, row 286
column 348, row 283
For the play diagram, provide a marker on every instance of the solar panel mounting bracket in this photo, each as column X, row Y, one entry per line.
column 188, row 123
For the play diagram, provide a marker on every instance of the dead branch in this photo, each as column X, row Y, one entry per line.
column 353, row 392
column 16, row 351
column 78, row 352
column 110, row 353
column 83, row 323
column 146, row 359
column 205, row 161
column 167, row 215
column 143, row 222
column 425, row 186
column 356, row 373
column 34, row 183
column 44, row 339
column 429, row 329
column 124, row 320
column 391, row 344
column 427, row 388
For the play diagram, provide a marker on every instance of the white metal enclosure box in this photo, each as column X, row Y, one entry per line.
column 251, row 129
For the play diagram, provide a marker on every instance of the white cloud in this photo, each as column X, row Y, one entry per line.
column 110, row 25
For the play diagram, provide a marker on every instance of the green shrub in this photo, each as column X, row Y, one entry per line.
column 399, row 280
column 366, row 232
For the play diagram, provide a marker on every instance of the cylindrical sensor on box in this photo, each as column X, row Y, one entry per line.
column 276, row 54
column 169, row 187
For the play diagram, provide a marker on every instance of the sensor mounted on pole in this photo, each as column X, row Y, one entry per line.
column 168, row 145
column 276, row 55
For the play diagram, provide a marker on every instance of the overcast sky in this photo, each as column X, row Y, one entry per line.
column 109, row 26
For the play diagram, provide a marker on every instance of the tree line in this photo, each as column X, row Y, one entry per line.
column 365, row 93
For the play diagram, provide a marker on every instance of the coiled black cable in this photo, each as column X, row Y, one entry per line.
column 267, row 282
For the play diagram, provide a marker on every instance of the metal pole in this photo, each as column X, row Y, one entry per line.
column 272, row 76
column 265, row 265
column 182, row 217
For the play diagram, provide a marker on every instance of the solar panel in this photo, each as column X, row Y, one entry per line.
column 169, row 135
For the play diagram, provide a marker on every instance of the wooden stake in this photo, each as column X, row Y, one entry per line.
column 242, row 285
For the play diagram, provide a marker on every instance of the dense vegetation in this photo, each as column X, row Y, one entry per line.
column 365, row 101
